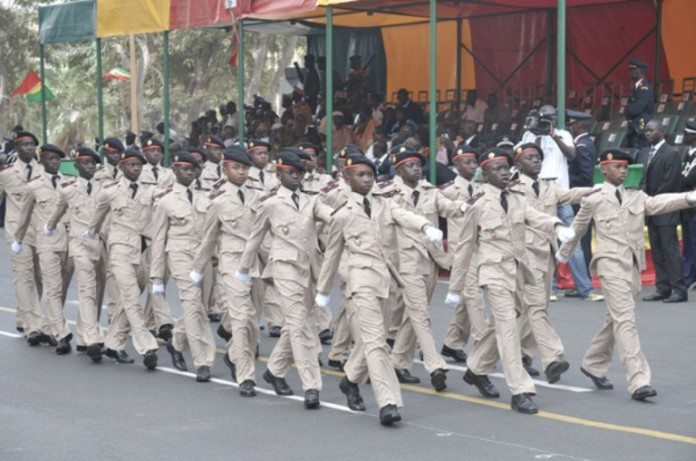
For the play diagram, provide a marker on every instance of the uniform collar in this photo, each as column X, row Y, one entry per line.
column 462, row 181
column 524, row 179
column 492, row 190
column 180, row 188
column 609, row 187
column 359, row 198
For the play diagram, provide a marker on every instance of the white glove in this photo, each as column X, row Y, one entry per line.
column 322, row 300
column 560, row 258
column 243, row 277
column 565, row 234
column 90, row 235
column 433, row 234
column 464, row 207
column 691, row 197
column 157, row 288
column 195, row 277
column 452, row 298
column 16, row 247
column 47, row 231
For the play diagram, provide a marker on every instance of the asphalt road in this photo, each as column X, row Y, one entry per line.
column 66, row 408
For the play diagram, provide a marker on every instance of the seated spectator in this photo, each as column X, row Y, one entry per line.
column 365, row 128
column 496, row 117
column 412, row 110
column 474, row 108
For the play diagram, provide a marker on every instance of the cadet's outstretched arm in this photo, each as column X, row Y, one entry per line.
column 258, row 232
column 159, row 242
column 210, row 238
column 332, row 255
column 580, row 225
column 25, row 217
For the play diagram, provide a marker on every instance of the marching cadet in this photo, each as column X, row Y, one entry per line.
column 26, row 276
column 494, row 228
column 178, row 221
column 153, row 171
column 419, row 264
column 261, row 173
column 130, row 206
column 469, row 319
column 289, row 217
column 313, row 181
column 52, row 248
column 619, row 214
column 362, row 227
column 212, row 170
column 112, row 148
column 228, row 224
column 77, row 196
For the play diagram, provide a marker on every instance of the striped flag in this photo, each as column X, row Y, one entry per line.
column 118, row 74
column 31, row 87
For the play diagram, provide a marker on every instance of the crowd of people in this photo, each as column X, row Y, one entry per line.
column 257, row 231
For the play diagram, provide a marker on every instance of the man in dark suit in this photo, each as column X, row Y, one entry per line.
column 640, row 105
column 663, row 175
column 412, row 110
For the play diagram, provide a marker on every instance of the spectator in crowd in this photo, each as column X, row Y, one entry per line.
column 365, row 129
column 496, row 117
column 474, row 108
column 309, row 77
column 470, row 134
column 411, row 110
column 640, row 105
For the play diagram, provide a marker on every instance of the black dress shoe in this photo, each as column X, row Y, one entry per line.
column 165, row 332
column 352, row 393
column 80, row 348
column 177, row 357
column 94, row 352
column 311, row 399
column 150, row 359
column 20, row 329
column 64, row 346
column 643, row 393
column 119, row 356
column 527, row 364
column 438, row 379
column 657, row 296
column 325, row 336
column 523, row 403
column 246, row 389
column 233, row 370
column 677, row 297
column 555, row 369
column 405, row 376
column 388, row 415
column 215, row 318
column 34, row 338
column 203, row 374
column 457, row 354
column 600, row 383
column 224, row 334
column 49, row 340
column 280, row 386
column 274, row 332
column 337, row 364
column 482, row 383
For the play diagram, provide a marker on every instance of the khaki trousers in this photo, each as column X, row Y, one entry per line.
column 469, row 318
column 26, row 279
column 157, row 311
column 55, row 272
column 89, row 260
column 619, row 328
column 340, row 344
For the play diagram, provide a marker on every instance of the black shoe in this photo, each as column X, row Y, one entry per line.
column 555, row 370
column 79, row 348
column 677, row 297
column 600, row 383
column 390, row 341
column 119, row 356
column 246, row 389
column 274, row 332
column 457, row 354
column 215, row 318
column 438, row 379
column 49, row 340
column 64, row 346
column 94, row 352
column 405, row 376
column 527, row 364
column 523, row 403
column 177, row 357
column 657, row 296
column 224, row 334
column 203, row 374
column 311, row 399
column 337, row 364
column 388, row 415
column 482, row 383
column 280, row 386
column 352, row 392
column 150, row 359
column 325, row 336
column 644, row 393
column 165, row 332
column 34, row 338
column 233, row 370
column 20, row 329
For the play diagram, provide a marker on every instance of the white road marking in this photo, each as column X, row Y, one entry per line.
column 10, row 335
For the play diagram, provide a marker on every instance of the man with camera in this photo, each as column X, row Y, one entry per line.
column 558, row 147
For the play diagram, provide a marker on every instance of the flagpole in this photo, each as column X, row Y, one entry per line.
column 240, row 81
column 44, row 127
column 133, row 86
column 100, row 91
column 165, row 97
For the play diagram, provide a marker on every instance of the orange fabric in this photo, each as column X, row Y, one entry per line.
column 125, row 17
column 678, row 33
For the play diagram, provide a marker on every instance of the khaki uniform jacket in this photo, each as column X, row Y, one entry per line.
column 619, row 227
column 294, row 249
column 498, row 238
column 367, row 242
column 108, row 173
column 212, row 173
column 13, row 186
column 41, row 202
column 270, row 180
column 458, row 189
column 165, row 176
column 314, row 182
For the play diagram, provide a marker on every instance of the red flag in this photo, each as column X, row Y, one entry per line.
column 29, row 82
column 235, row 49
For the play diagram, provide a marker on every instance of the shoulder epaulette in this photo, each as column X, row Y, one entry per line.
column 67, row 183
column 249, row 186
column 163, row 192
column 330, row 186
column 338, row 208
column 548, row 179
column 383, row 184
column 445, row 185
column 387, row 194
column 148, row 183
column 216, row 193
column 269, row 194
column 111, row 184
column 475, row 197
column 217, row 184
column 34, row 179
column 427, row 185
column 253, row 179
column 516, row 191
column 310, row 192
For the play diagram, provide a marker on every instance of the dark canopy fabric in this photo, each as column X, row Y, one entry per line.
column 67, row 22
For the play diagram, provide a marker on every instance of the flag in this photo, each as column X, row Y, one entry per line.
column 31, row 86
column 117, row 74
column 232, row 61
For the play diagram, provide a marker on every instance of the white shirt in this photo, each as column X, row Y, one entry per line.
column 475, row 113
column 555, row 164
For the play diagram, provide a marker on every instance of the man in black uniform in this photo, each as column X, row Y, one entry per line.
column 640, row 105
column 688, row 216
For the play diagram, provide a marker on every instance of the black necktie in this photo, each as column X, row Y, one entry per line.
column 296, row 199
column 219, row 171
column 367, row 207
column 503, row 200
column 618, row 197
column 261, row 176
column 198, row 184
column 241, row 195
column 134, row 187
column 470, row 190
column 89, row 188
column 54, row 180
column 535, row 186
column 416, row 196
column 29, row 170
column 115, row 172
column 189, row 195
column 154, row 171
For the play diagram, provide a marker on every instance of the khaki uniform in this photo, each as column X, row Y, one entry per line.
column 210, row 295
column 41, row 201
column 157, row 174
column 469, row 318
column 227, row 227
column 179, row 226
column 129, row 219
column 108, row 173
column 617, row 261
column 498, row 238
column 26, row 276
column 212, row 173
column 292, row 264
column 371, row 274
column 89, row 256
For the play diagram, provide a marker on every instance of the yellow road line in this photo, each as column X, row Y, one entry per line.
column 503, row 406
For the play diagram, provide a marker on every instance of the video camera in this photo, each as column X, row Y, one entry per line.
column 538, row 123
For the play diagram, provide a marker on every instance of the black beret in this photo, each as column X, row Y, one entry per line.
column 360, row 159
column 196, row 150
column 214, row 140
column 522, row 148
column 492, row 154
column 638, row 63
column 21, row 135
column 237, row 153
column 465, row 149
column 52, row 148
column 132, row 154
column 254, row 143
column 305, row 145
column 289, row 159
column 304, row 156
column 114, row 145
column 403, row 153
column 185, row 157
column 615, row 155
column 86, row 152
column 350, row 149
column 153, row 143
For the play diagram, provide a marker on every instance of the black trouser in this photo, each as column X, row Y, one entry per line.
column 667, row 259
